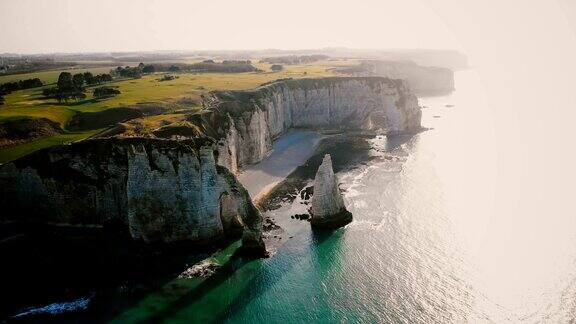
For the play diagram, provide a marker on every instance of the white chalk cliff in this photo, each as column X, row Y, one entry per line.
column 181, row 186
column 247, row 122
column 162, row 191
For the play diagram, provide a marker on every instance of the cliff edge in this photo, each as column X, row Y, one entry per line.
column 247, row 122
column 160, row 190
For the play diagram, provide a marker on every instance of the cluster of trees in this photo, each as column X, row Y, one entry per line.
column 92, row 80
column 72, row 86
column 276, row 67
column 227, row 66
column 20, row 85
column 128, row 72
column 7, row 88
column 167, row 77
column 134, row 72
column 105, row 92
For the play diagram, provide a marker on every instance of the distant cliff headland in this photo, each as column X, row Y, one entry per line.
column 424, row 80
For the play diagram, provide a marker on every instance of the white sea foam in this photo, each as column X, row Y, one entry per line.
column 58, row 308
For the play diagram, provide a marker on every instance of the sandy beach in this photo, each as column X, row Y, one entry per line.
column 288, row 152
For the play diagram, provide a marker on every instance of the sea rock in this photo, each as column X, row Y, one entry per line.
column 328, row 210
column 160, row 190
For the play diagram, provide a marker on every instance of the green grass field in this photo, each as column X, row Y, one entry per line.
column 52, row 75
column 188, row 86
column 14, row 152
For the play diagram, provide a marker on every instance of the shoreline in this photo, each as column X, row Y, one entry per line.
column 288, row 152
column 347, row 150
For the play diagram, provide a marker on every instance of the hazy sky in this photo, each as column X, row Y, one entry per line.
column 113, row 25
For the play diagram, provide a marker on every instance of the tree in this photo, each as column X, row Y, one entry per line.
column 65, row 80
column 276, row 67
column 103, row 92
column 89, row 78
column 50, row 92
column 9, row 87
column 129, row 72
column 78, row 80
column 68, row 87
column 105, row 77
column 173, row 68
column 148, row 68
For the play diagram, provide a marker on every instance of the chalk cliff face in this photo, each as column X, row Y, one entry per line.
column 253, row 119
column 182, row 187
column 163, row 191
column 423, row 80
column 328, row 210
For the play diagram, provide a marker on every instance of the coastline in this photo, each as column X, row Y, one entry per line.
column 347, row 150
column 288, row 153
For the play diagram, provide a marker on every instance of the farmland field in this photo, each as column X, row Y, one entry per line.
column 184, row 92
column 52, row 75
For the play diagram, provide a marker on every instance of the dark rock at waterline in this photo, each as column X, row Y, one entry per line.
column 269, row 225
column 307, row 193
column 301, row 216
column 336, row 221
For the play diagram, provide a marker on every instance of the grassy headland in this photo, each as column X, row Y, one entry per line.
column 183, row 92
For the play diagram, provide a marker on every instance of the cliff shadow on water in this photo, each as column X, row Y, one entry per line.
column 45, row 264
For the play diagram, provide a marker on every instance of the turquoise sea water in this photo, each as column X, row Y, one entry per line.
column 429, row 242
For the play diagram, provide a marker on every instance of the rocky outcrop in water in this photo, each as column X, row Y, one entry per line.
column 328, row 210
column 160, row 190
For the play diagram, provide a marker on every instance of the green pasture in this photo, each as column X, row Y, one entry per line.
column 182, row 92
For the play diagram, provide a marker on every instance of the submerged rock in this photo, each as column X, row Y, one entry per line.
column 328, row 210
column 200, row 270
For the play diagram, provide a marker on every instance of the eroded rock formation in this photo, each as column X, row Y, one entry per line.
column 328, row 210
column 161, row 190
column 247, row 122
